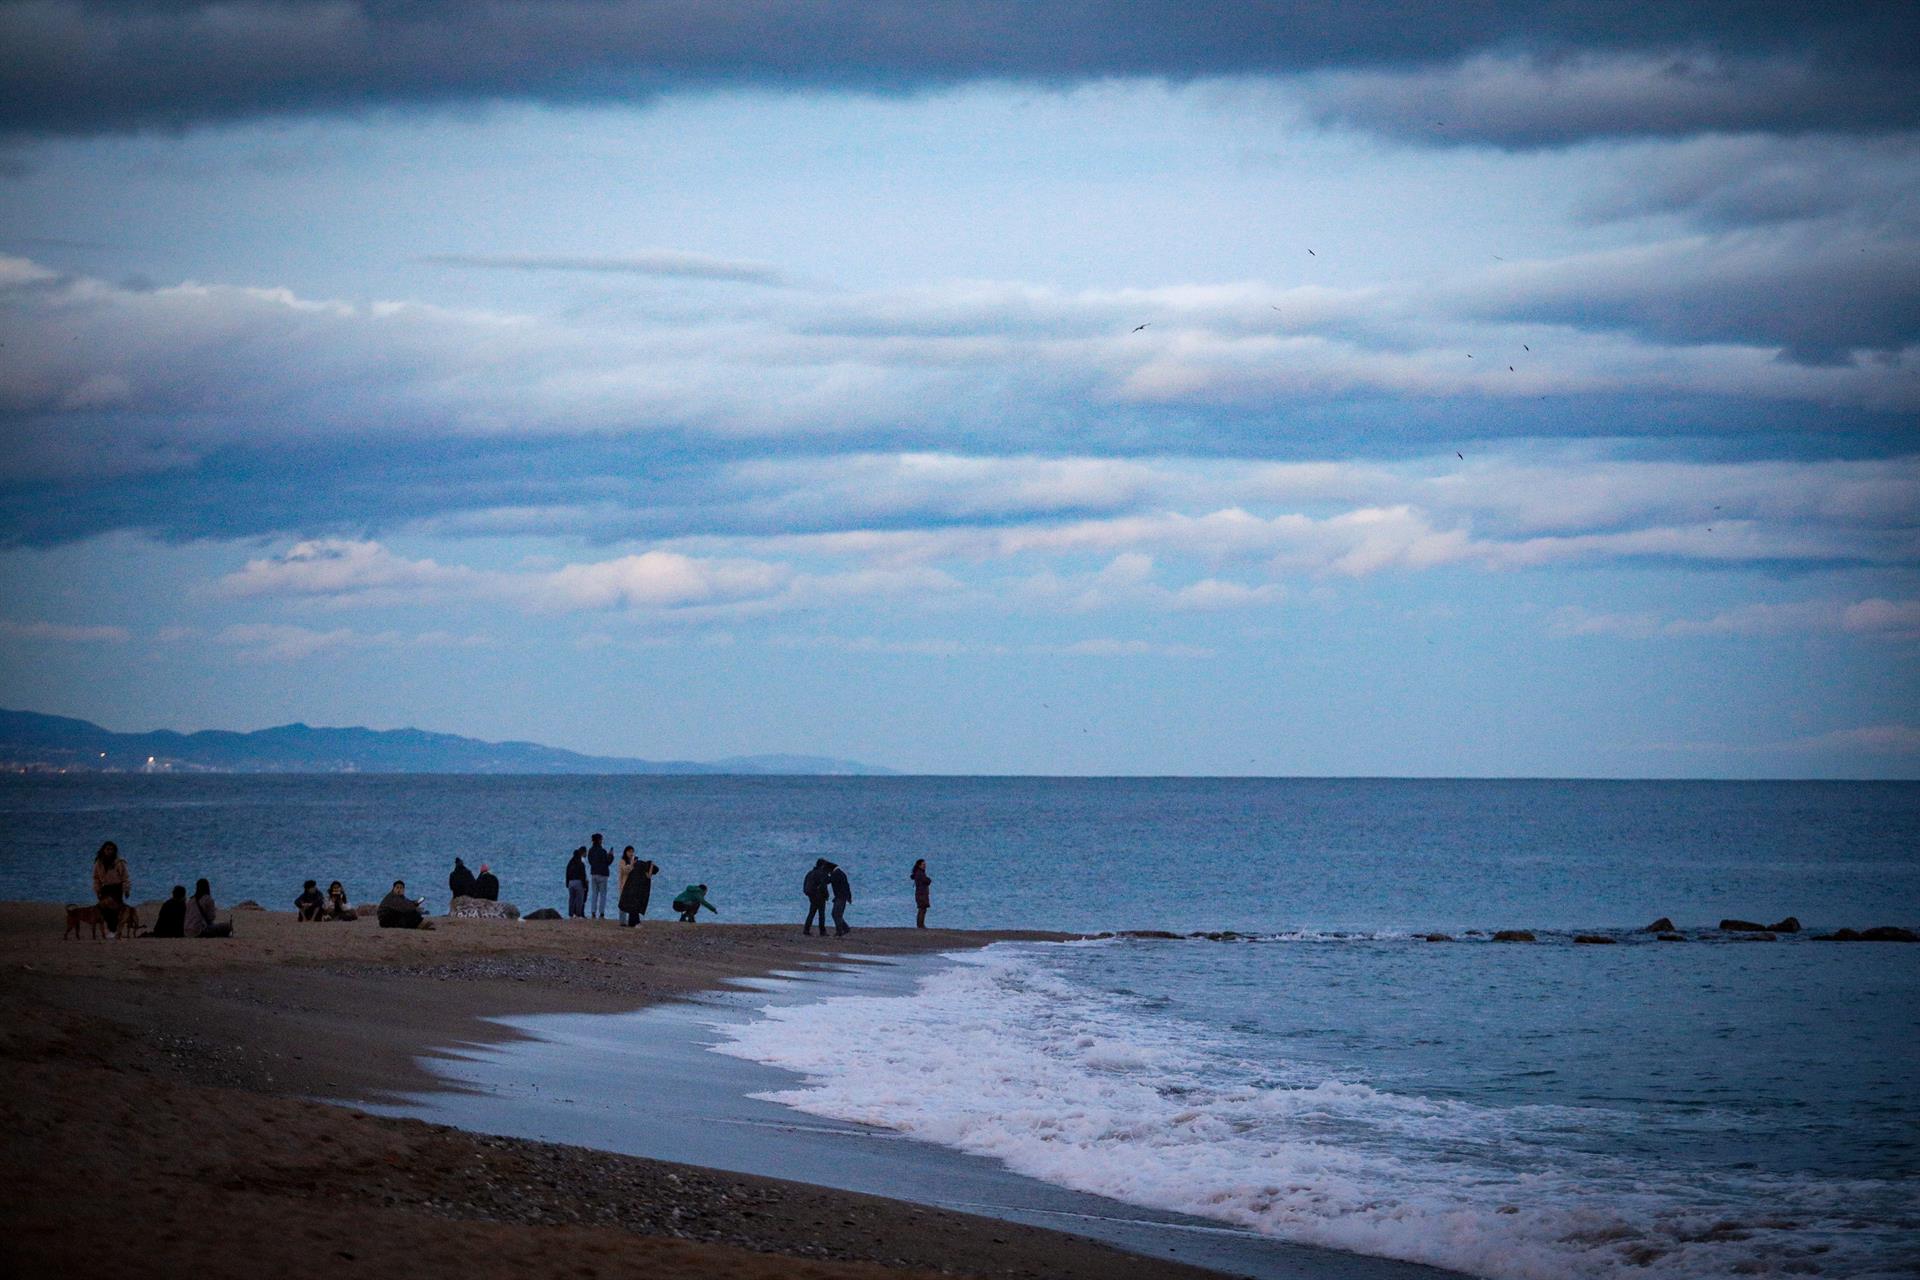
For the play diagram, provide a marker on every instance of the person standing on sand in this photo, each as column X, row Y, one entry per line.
column 398, row 911
column 600, row 863
column 203, row 917
column 577, row 884
column 460, row 883
column 922, row 899
column 112, row 886
column 637, row 890
column 842, row 896
column 815, row 887
column 691, row 899
column 486, row 885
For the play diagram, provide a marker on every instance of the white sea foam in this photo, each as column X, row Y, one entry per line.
column 1002, row 1057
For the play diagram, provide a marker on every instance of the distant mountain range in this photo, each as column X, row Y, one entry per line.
column 33, row 742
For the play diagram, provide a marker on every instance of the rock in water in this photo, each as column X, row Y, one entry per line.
column 248, row 905
column 1673, row 937
column 1439, row 937
column 1513, row 935
column 1741, row 926
column 1662, row 925
column 1790, row 925
column 544, row 913
column 1596, row 940
column 1889, row 933
column 464, row 908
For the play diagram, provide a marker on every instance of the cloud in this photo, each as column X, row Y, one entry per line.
column 283, row 642
column 339, row 567
column 64, row 633
column 72, row 67
column 664, row 263
column 1562, row 98
column 653, row 579
column 1876, row 618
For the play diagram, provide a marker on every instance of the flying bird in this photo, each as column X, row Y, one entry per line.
column 1459, row 455
column 1137, row 328
column 1525, row 347
column 1312, row 254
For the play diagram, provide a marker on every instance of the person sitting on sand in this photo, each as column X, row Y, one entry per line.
column 112, row 886
column 637, row 890
column 203, row 918
column 486, row 885
column 172, row 920
column 398, row 911
column 691, row 899
column 577, row 884
column 338, row 908
column 922, row 891
column 309, row 902
column 461, row 881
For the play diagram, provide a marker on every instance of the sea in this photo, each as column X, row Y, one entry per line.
column 1297, row 1060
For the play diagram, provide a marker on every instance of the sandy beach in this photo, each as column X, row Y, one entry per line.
column 159, row 1094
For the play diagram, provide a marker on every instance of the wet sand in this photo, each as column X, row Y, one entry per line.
column 159, row 1101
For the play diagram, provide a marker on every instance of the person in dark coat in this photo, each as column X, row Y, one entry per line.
column 922, row 895
column 842, row 895
column 577, row 883
column 460, row 883
column 486, row 885
column 310, row 901
column 637, row 891
column 599, row 867
column 398, row 911
column 815, row 887
column 172, row 920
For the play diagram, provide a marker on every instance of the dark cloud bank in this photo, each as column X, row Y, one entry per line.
column 74, row 67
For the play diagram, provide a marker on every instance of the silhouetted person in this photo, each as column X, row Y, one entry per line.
column 398, row 911
column 922, row 897
column 842, row 895
column 486, row 885
column 172, row 920
column 637, row 891
column 460, row 883
column 577, row 883
column 112, row 886
column 599, row 865
column 203, row 917
column 815, row 887
column 310, row 901
column 690, row 900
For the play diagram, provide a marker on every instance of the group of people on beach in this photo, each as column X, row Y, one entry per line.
column 179, row 916
column 588, row 874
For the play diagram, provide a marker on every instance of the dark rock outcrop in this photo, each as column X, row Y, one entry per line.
column 1790, row 925
column 1741, row 926
column 1595, row 940
column 248, row 905
column 544, row 913
column 1513, row 935
column 1889, row 933
column 1673, row 937
column 1662, row 925
column 1439, row 937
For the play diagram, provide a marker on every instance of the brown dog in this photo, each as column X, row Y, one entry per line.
column 77, row 916
column 130, row 923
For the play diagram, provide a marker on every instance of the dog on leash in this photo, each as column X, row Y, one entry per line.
column 77, row 916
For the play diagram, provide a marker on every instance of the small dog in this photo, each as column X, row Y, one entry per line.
column 130, row 923
column 77, row 916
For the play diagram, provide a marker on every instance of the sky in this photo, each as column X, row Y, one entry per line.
column 965, row 387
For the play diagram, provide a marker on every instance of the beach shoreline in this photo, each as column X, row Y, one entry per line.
column 168, row 1087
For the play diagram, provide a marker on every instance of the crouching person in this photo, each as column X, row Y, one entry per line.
column 691, row 899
